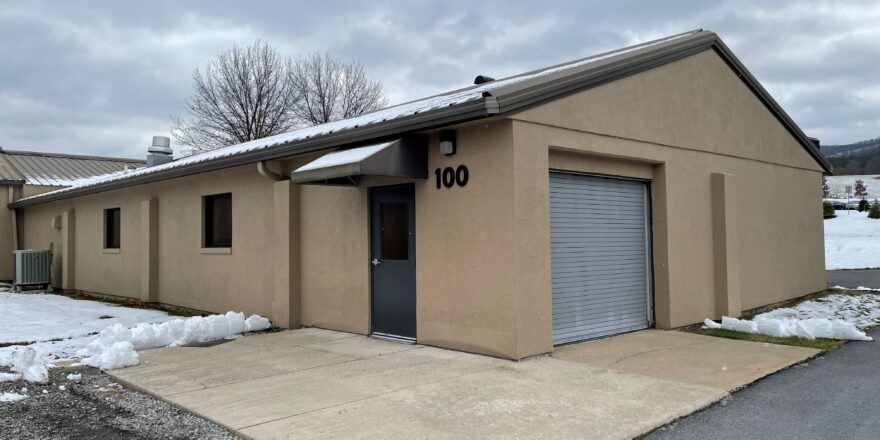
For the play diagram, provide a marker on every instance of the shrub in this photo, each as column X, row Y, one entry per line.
column 874, row 212
column 864, row 205
column 828, row 210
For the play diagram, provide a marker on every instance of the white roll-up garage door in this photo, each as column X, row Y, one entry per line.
column 599, row 232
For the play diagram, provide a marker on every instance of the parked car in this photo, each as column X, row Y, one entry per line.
column 839, row 205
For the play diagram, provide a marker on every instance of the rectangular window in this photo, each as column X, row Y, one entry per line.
column 217, row 221
column 395, row 231
column 112, row 228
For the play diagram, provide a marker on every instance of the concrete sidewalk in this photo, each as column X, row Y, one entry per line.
column 313, row 383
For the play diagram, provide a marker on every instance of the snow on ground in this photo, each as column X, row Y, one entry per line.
column 11, row 397
column 837, row 185
column 6, row 377
column 48, row 328
column 852, row 241
column 56, row 326
column 837, row 316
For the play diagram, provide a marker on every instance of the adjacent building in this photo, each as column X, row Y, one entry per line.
column 27, row 173
column 652, row 186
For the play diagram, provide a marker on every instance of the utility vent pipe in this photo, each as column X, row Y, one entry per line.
column 160, row 151
column 480, row 79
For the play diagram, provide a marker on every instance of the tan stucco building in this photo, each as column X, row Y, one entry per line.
column 648, row 187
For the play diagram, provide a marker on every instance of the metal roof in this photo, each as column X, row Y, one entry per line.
column 491, row 99
column 53, row 169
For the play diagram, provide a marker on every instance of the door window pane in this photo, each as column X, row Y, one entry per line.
column 395, row 245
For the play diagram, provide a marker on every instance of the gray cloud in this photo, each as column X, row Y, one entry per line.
column 102, row 77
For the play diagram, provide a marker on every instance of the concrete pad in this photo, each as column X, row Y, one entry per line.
column 362, row 347
column 204, row 369
column 243, row 404
column 543, row 398
column 314, row 383
column 721, row 363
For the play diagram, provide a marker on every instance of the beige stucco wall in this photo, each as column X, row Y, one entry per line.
column 464, row 259
column 239, row 280
column 335, row 286
column 677, row 125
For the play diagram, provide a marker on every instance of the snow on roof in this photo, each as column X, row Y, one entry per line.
column 344, row 157
column 53, row 169
column 461, row 96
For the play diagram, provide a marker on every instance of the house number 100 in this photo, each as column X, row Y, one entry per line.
column 451, row 176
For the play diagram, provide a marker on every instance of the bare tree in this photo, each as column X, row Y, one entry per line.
column 329, row 88
column 243, row 94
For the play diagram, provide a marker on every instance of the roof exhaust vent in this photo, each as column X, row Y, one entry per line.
column 480, row 79
column 160, row 151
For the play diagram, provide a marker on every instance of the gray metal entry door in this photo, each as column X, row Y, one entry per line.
column 599, row 233
column 393, row 261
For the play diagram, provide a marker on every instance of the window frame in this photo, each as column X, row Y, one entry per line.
column 209, row 238
column 116, row 233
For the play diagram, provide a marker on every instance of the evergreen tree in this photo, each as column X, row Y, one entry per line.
column 828, row 210
column 874, row 212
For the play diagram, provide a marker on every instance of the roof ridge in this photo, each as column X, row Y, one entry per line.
column 542, row 69
column 69, row 156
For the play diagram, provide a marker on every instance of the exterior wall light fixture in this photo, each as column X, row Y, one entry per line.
column 447, row 142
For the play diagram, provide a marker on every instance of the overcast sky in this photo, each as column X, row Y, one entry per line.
column 102, row 77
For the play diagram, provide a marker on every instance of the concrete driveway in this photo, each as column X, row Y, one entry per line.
column 313, row 383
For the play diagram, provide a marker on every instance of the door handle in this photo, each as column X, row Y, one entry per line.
column 376, row 262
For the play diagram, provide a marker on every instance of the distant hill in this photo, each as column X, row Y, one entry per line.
column 854, row 159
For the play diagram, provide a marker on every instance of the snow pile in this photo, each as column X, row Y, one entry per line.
column 11, row 397
column 836, row 316
column 23, row 361
column 852, row 241
column 74, row 377
column 115, row 346
column 802, row 328
column 40, row 329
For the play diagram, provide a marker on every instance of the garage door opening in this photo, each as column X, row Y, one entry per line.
column 601, row 260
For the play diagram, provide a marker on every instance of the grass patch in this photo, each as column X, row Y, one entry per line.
column 818, row 343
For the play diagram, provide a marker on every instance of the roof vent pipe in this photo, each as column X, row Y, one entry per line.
column 160, row 152
column 480, row 79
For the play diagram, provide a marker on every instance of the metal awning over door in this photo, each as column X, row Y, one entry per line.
column 600, row 263
column 405, row 157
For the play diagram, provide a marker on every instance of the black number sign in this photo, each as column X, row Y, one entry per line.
column 450, row 177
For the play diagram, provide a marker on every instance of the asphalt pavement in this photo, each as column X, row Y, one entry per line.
column 854, row 278
column 833, row 396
